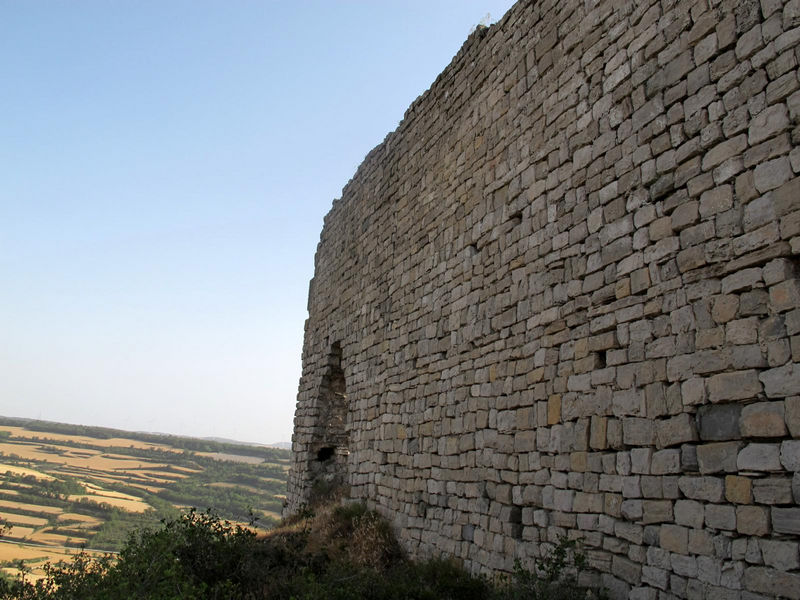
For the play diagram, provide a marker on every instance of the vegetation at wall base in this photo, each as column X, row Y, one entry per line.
column 338, row 552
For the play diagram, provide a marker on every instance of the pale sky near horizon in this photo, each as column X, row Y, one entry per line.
column 165, row 167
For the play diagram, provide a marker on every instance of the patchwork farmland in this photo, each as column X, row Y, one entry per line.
column 67, row 487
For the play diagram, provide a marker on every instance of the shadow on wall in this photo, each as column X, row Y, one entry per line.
column 328, row 467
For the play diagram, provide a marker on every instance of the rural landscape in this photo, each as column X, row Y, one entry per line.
column 67, row 487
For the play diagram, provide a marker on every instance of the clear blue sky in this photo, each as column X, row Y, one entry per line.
column 164, row 170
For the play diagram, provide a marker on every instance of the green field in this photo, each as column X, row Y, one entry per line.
column 63, row 487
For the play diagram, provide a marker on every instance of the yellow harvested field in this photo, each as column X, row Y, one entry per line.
column 147, row 488
column 14, row 551
column 22, row 433
column 23, row 471
column 241, row 486
column 22, row 519
column 49, row 510
column 73, row 518
column 129, row 505
column 186, row 469
column 224, row 456
column 55, row 539
column 19, row 532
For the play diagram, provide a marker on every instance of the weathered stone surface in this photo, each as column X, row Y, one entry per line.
column 720, row 422
column 738, row 490
column 710, row 489
column 772, row 582
column 780, row 555
column 786, row 520
column 752, row 520
column 564, row 297
column 773, row 490
column 790, row 455
column 759, row 457
column 719, row 457
column 677, row 430
column 763, row 419
column 782, row 381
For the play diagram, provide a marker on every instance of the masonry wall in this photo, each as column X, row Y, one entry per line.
column 563, row 298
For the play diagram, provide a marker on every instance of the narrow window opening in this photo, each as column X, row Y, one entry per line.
column 601, row 359
column 325, row 453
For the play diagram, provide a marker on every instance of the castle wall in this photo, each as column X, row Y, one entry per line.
column 562, row 298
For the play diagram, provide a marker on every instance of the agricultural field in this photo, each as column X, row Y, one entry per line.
column 66, row 487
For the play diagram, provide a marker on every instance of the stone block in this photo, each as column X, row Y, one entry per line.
column 763, row 419
column 709, row 489
column 752, row 520
column 689, row 513
column 718, row 457
column 780, row 555
column 759, row 457
column 773, row 490
column 785, row 295
column 782, row 381
column 768, row 123
column 792, row 415
column 737, row 385
column 638, row 432
column 721, row 422
column 720, row 516
column 676, row 430
column 693, row 391
column 664, row 462
column 790, row 455
column 674, row 538
column 772, row 582
column 656, row 511
column 738, row 490
column 786, row 520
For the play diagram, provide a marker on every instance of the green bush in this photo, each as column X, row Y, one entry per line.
column 330, row 553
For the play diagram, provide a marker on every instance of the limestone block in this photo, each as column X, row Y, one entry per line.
column 764, row 580
column 674, row 538
column 790, row 455
column 763, row 419
column 782, row 381
column 720, row 516
column 773, row 490
column 780, row 555
column 786, row 520
column 719, row 422
column 768, row 123
column 666, row 461
column 709, row 489
column 689, row 513
column 759, row 457
column 676, row 430
column 737, row 385
column 718, row 457
column 738, row 490
column 785, row 295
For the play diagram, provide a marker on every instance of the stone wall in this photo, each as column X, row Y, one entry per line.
column 563, row 298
